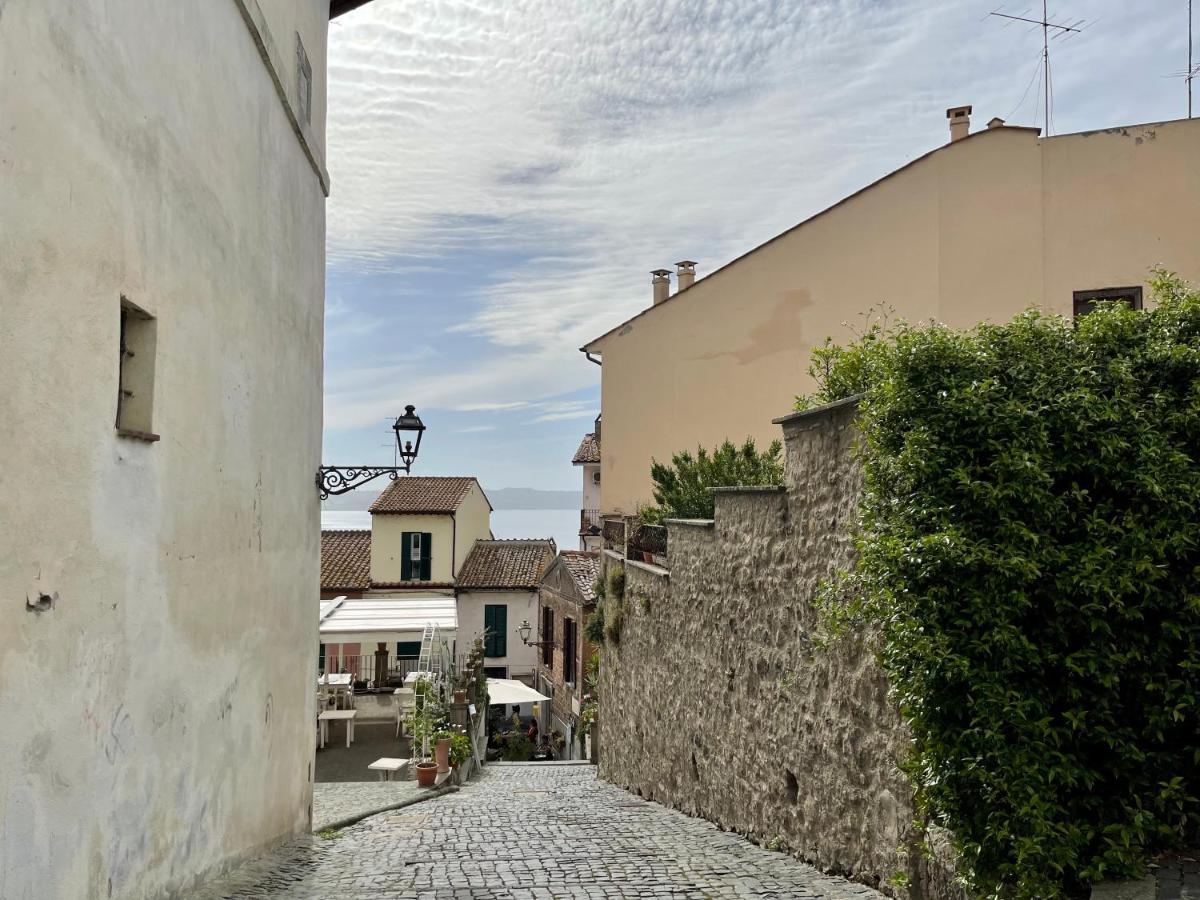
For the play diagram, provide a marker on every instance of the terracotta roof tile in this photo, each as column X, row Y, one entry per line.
column 423, row 494
column 589, row 450
column 345, row 560
column 512, row 565
column 584, row 566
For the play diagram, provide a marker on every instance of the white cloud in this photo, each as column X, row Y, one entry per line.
column 590, row 141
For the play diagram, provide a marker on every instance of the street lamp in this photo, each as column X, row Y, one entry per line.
column 524, row 631
column 340, row 479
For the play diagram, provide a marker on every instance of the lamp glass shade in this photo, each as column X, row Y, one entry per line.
column 523, row 631
column 406, row 427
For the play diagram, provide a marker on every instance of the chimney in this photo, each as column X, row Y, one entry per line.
column 996, row 123
column 662, row 284
column 960, row 122
column 686, row 276
column 597, row 429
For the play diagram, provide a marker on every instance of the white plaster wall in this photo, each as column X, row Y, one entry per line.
column 591, row 489
column 157, row 719
column 522, row 606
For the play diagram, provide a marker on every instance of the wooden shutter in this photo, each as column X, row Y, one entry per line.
column 426, row 556
column 406, row 556
column 495, row 622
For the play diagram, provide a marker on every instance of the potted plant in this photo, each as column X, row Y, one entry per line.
column 442, row 750
column 460, row 749
column 421, row 727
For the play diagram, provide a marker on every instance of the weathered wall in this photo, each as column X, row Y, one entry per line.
column 158, row 716
column 716, row 701
column 522, row 607
column 935, row 239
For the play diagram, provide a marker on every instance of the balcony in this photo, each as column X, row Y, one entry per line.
column 590, row 522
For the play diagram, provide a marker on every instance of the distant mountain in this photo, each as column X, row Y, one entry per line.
column 502, row 498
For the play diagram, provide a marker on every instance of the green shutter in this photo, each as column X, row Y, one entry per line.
column 495, row 622
column 406, row 556
column 426, row 556
column 408, row 649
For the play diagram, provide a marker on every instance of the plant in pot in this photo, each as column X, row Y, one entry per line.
column 421, row 725
column 460, row 749
column 441, row 752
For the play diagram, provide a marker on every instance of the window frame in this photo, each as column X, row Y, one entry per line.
column 495, row 638
column 1086, row 300
column 547, row 637
column 570, row 650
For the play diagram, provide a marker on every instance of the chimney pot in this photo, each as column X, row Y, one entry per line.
column 996, row 123
column 685, row 277
column 662, row 284
column 960, row 122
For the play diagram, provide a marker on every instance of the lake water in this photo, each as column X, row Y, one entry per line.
column 560, row 524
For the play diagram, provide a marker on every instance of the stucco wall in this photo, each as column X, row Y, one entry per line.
column 716, row 700
column 976, row 231
column 387, row 532
column 522, row 606
column 158, row 715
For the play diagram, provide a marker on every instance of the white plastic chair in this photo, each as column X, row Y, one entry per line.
column 406, row 700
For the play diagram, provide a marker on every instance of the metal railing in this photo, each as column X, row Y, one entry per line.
column 366, row 667
column 590, row 521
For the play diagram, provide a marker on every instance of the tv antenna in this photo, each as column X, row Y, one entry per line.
column 1193, row 68
column 1050, row 31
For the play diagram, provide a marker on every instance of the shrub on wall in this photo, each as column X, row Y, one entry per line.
column 683, row 489
column 1029, row 542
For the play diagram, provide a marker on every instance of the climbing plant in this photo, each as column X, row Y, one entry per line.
column 1029, row 546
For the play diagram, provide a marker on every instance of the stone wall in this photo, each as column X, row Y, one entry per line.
column 716, row 700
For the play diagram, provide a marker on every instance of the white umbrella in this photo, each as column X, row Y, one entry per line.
column 507, row 691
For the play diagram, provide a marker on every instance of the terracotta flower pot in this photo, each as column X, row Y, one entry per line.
column 460, row 696
column 441, row 753
column 426, row 773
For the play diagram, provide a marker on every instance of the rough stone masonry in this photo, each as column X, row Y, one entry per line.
column 717, row 701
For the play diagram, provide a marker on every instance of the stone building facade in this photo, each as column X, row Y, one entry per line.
column 717, row 699
column 566, row 598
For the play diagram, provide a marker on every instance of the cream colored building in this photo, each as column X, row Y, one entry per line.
column 162, row 246
column 976, row 230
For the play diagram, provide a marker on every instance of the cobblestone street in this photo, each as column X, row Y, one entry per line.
column 530, row 832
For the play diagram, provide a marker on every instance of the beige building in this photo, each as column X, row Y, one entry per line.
column 975, row 230
column 587, row 458
column 162, row 246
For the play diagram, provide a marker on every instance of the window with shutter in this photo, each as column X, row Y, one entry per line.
column 547, row 635
column 426, row 556
column 569, row 651
column 495, row 624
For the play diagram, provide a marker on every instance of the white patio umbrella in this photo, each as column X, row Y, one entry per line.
column 508, row 692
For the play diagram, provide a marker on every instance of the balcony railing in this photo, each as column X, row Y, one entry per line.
column 590, row 521
column 365, row 669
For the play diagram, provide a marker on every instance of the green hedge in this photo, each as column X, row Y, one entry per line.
column 1029, row 543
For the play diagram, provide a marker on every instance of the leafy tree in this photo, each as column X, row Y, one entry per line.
column 1029, row 548
column 683, row 489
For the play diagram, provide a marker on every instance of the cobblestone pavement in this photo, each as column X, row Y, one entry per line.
column 530, row 832
column 339, row 800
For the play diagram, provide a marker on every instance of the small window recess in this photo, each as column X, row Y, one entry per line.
column 415, row 547
column 1085, row 301
column 595, row 478
column 303, row 81
column 135, row 373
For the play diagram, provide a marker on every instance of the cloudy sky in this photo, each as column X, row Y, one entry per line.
column 506, row 173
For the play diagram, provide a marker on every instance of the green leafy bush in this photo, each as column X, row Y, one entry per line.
column 616, row 583
column 683, row 489
column 614, row 618
column 593, row 630
column 1029, row 544
column 517, row 748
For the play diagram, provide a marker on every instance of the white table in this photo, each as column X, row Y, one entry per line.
column 344, row 678
column 330, row 715
column 387, row 766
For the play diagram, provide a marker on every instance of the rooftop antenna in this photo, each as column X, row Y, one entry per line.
column 1049, row 30
column 1193, row 69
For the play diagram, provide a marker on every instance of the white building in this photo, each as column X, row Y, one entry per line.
column 162, row 246
column 497, row 594
column 587, row 457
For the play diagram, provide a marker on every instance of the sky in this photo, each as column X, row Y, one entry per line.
column 506, row 173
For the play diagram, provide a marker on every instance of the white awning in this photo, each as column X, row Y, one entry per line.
column 408, row 614
column 508, row 692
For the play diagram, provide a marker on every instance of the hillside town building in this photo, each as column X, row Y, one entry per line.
column 163, row 263
column 587, row 457
column 976, row 230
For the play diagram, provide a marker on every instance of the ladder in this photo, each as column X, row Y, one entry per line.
column 425, row 658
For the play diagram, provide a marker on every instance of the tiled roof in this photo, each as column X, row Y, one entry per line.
column 345, row 560
column 584, row 567
column 589, row 450
column 506, row 564
column 423, row 494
